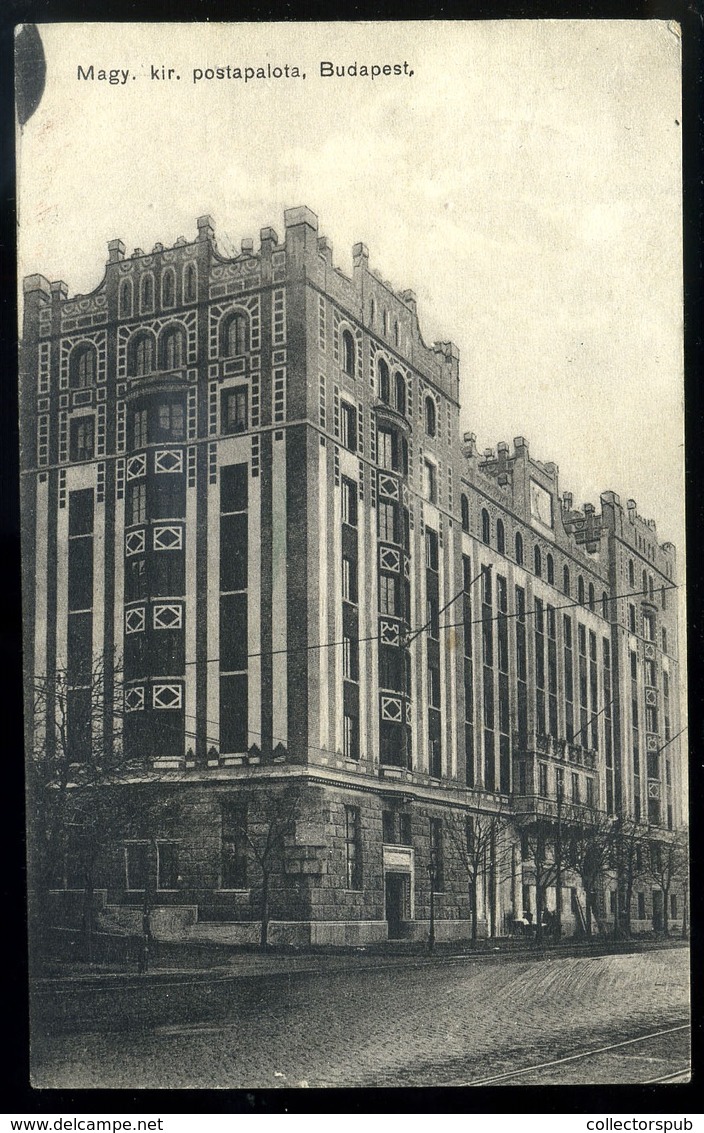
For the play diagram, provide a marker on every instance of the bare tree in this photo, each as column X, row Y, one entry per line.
column 273, row 825
column 539, row 841
column 76, row 757
column 667, row 865
column 483, row 848
column 592, row 855
column 630, row 845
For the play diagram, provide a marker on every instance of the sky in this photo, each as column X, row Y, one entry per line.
column 524, row 181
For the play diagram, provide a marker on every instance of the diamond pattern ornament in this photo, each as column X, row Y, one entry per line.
column 134, row 543
column 388, row 486
column 168, row 538
column 137, row 466
column 649, row 651
column 389, row 559
column 651, row 696
column 168, row 616
column 651, row 742
column 135, row 619
column 653, row 789
column 134, row 699
column 167, row 696
column 168, row 460
column 391, row 709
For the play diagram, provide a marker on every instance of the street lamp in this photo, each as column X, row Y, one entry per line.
column 432, row 874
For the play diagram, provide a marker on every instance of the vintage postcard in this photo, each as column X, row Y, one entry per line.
column 351, row 399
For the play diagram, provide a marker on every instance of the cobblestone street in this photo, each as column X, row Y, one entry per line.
column 449, row 1023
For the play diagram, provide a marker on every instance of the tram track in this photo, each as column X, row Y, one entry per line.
column 570, row 1059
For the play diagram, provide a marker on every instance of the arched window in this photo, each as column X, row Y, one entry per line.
column 604, row 605
column 168, row 288
column 126, row 298
column 172, row 348
column 372, row 312
column 537, row 561
column 631, row 574
column 550, row 563
column 141, row 354
column 651, row 588
column 396, row 332
column 400, row 383
column 500, row 537
column 234, row 335
column 385, row 322
column 430, row 416
column 645, row 582
column 384, row 381
column 591, row 596
column 519, row 548
column 82, row 367
column 464, row 502
column 566, row 580
column 146, row 294
column 348, row 353
column 190, row 283
column 580, row 590
column 663, row 598
column 486, row 527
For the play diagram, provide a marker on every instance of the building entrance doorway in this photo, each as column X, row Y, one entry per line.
column 396, row 902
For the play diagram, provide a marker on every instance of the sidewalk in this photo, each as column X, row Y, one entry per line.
column 279, row 962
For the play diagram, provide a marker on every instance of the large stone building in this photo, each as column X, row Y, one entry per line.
column 246, row 498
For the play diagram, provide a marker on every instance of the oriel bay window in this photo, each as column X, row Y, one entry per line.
column 170, row 420
column 388, row 594
column 388, row 521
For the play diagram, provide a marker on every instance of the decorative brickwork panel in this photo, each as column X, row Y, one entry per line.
column 135, row 543
column 137, row 466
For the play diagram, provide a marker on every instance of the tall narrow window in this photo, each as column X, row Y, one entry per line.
column 500, row 537
column 592, row 604
column 566, row 581
column 142, row 355
column 538, row 561
column 82, row 367
column 464, row 503
column 190, row 284
column 82, row 438
column 437, row 864
column 431, row 482
column 348, row 353
column 349, row 501
column 519, row 548
column 550, row 565
column 353, row 847
column 400, row 382
column 234, row 846
column 168, row 288
column 348, row 426
column 486, row 527
column 234, row 410
column 580, row 590
column 234, row 341
column 147, row 293
column 172, row 349
column 631, row 574
column 126, row 298
column 430, row 416
column 384, row 381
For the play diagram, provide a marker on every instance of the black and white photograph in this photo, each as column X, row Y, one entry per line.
column 351, row 417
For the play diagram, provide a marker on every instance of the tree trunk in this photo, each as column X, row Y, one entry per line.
column 588, row 913
column 666, row 912
column 264, row 935
column 473, row 909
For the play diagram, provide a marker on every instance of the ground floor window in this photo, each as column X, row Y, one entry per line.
column 354, row 854
column 167, row 865
column 234, row 846
column 136, row 865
